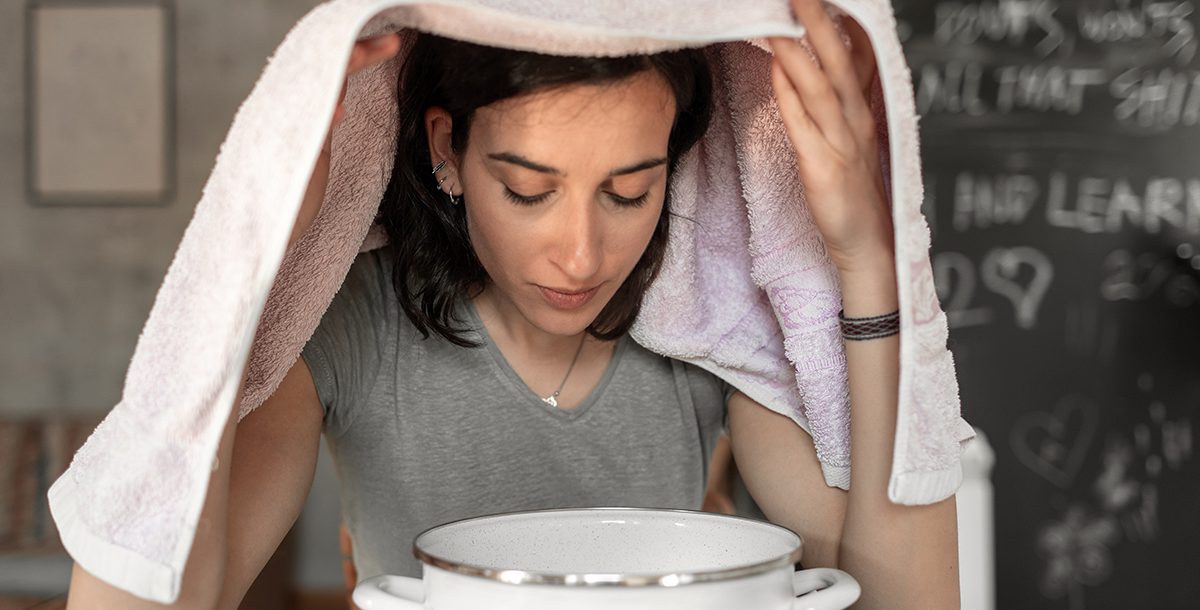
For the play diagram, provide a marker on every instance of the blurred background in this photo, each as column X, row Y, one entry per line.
column 1061, row 144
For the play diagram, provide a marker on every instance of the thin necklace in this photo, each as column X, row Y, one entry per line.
column 552, row 399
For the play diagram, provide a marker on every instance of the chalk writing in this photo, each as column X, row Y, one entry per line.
column 1133, row 502
column 1054, row 444
column 1157, row 99
column 1138, row 278
column 1016, row 22
column 950, row 88
column 955, row 279
column 957, row 87
column 1001, row 268
column 1131, row 494
column 1077, row 552
column 1176, row 441
column 1067, row 215
column 1154, row 99
column 1078, row 546
column 1127, row 22
column 1037, row 23
column 1090, row 204
column 1045, row 87
column 1021, row 274
column 981, row 201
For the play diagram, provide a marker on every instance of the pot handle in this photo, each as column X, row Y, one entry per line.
column 388, row 592
column 824, row 589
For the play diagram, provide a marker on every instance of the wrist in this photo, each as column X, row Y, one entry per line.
column 869, row 287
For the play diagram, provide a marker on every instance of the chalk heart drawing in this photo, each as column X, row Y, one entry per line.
column 1000, row 269
column 1054, row 444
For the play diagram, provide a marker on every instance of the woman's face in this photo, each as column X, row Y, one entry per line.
column 563, row 190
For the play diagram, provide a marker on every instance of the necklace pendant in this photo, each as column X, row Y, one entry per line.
column 552, row 399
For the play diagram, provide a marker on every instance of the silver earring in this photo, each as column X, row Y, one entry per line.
column 438, row 167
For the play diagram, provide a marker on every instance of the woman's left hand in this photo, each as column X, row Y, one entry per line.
column 832, row 128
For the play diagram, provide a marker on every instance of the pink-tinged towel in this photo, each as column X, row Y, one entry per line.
column 747, row 291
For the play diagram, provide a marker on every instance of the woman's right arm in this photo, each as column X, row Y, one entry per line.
column 256, row 493
column 253, row 499
column 247, row 507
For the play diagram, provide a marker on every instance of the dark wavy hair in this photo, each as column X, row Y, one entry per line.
column 435, row 262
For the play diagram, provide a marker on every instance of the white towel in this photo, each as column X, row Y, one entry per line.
column 748, row 292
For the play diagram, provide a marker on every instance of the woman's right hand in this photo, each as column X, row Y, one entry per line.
column 366, row 53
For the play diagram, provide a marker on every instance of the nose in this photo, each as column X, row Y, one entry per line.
column 578, row 249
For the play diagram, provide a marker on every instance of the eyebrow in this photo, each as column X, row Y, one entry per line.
column 516, row 159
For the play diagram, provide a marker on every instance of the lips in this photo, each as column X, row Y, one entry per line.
column 561, row 298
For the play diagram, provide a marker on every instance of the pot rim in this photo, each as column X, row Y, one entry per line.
column 605, row 579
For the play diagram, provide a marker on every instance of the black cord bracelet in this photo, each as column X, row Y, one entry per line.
column 875, row 327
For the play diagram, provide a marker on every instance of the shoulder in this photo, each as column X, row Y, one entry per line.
column 372, row 269
column 365, row 302
column 706, row 383
column 368, row 284
column 703, row 385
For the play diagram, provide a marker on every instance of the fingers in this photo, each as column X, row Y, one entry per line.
column 833, row 85
column 862, row 55
column 806, row 137
column 828, row 46
column 814, row 92
column 365, row 54
column 372, row 51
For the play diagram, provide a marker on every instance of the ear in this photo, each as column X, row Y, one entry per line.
column 438, row 128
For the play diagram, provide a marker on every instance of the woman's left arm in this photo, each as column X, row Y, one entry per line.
column 904, row 556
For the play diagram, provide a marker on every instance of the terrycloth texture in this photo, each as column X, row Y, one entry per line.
column 747, row 291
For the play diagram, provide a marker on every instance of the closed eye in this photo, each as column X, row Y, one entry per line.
column 633, row 203
column 524, row 199
column 520, row 199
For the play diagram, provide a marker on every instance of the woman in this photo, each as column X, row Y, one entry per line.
column 481, row 362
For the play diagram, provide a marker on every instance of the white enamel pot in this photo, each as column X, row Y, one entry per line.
column 592, row 558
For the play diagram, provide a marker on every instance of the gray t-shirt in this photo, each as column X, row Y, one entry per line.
column 423, row 432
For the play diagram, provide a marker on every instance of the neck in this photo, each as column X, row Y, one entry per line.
column 508, row 326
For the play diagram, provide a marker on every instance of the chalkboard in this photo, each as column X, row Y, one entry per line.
column 1061, row 150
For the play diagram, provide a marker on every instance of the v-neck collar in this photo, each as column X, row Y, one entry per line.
column 522, row 391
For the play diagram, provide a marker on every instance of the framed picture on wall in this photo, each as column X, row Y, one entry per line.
column 100, row 102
